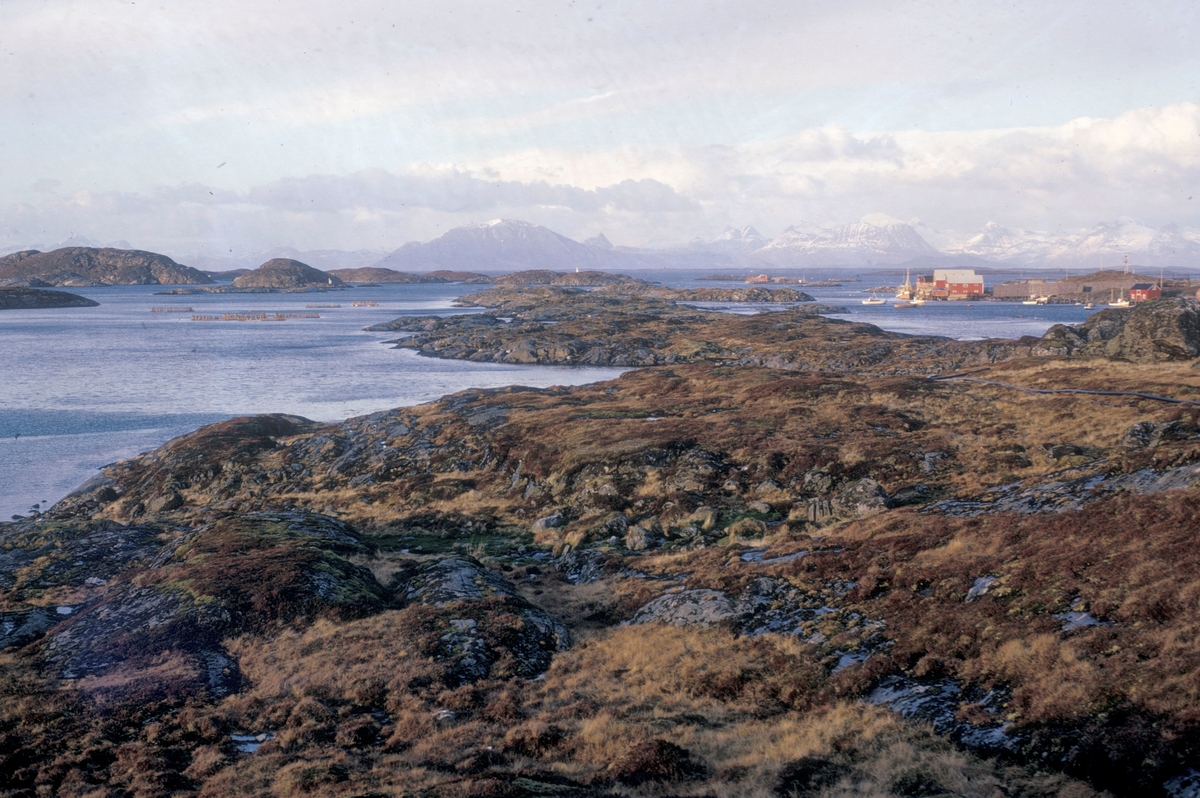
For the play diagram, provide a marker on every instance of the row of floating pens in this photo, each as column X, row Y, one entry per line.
column 256, row 316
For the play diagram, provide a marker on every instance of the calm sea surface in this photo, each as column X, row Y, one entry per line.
column 83, row 387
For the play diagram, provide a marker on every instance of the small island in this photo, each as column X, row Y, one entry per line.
column 37, row 298
column 276, row 275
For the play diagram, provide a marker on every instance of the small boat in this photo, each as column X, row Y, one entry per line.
column 903, row 305
column 1030, row 301
column 1090, row 306
column 874, row 300
column 1121, row 303
column 917, row 302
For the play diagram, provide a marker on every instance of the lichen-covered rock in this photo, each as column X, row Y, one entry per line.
column 766, row 605
column 552, row 521
column 641, row 538
column 581, row 567
column 485, row 620
column 239, row 574
column 817, row 482
column 1157, row 330
column 700, row 607
column 1147, row 434
column 40, row 555
column 455, row 579
column 18, row 627
column 133, row 625
column 615, row 525
column 1070, row 491
column 862, row 498
column 1162, row 329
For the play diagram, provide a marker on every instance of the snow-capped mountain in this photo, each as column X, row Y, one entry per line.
column 735, row 241
column 599, row 241
column 500, row 245
column 1103, row 246
column 511, row 245
column 876, row 239
column 999, row 243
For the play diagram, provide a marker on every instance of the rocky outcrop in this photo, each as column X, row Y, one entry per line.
column 39, row 557
column 83, row 266
column 1147, row 434
column 767, row 605
column 18, row 627
column 29, row 298
column 199, row 587
column 485, row 619
column 285, row 273
column 1157, row 330
column 862, row 498
column 1070, row 490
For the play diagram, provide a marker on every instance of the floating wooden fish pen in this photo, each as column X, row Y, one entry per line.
column 171, row 310
column 322, row 306
column 365, row 304
column 256, row 316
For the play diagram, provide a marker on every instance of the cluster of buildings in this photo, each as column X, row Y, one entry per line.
column 1097, row 284
column 950, row 284
column 953, row 284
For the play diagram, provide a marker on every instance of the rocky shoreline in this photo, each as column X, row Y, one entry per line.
column 729, row 574
column 652, row 326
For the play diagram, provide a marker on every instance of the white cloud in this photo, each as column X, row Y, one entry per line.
column 1146, row 161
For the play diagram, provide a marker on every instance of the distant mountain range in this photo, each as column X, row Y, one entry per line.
column 502, row 245
column 1103, row 246
column 507, row 245
column 875, row 240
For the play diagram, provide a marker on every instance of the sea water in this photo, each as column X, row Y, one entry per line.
column 84, row 387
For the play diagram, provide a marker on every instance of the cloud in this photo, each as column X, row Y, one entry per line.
column 369, row 208
column 454, row 191
column 1145, row 162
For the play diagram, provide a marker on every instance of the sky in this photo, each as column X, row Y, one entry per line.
column 223, row 126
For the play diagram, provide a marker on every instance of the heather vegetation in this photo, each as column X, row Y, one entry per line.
column 702, row 578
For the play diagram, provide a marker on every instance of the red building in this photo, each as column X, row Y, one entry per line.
column 950, row 284
column 1143, row 291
